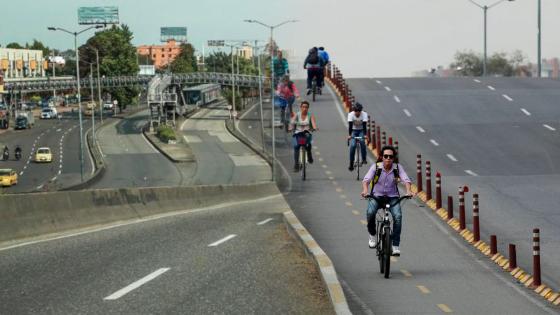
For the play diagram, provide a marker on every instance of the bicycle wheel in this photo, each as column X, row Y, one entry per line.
column 358, row 161
column 387, row 252
column 303, row 162
column 379, row 248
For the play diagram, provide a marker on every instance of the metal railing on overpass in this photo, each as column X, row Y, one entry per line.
column 133, row 81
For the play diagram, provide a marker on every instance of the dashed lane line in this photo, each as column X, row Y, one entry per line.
column 378, row 82
column 349, row 204
column 122, row 292
column 407, row 112
column 420, row 129
column 476, row 80
column 507, row 97
column 526, row 112
column 471, row 173
column 434, row 142
column 364, row 222
column 388, row 89
column 339, row 190
column 445, row 308
column 264, row 221
column 423, row 289
column 397, row 99
column 223, row 240
column 354, row 212
column 406, row 273
column 549, row 127
column 451, row 157
column 491, row 88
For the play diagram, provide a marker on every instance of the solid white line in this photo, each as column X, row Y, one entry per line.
column 407, row 113
column 471, row 173
column 477, row 81
column 549, row 128
column 420, row 129
column 491, row 88
column 452, row 158
column 388, row 88
column 136, row 284
column 526, row 112
column 223, row 240
column 507, row 97
column 434, row 142
column 265, row 221
column 397, row 99
column 149, row 143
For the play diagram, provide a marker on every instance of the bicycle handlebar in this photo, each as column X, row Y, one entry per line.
column 378, row 198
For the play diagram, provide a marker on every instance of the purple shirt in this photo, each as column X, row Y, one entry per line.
column 386, row 184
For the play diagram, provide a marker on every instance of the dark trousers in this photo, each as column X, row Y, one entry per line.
column 314, row 72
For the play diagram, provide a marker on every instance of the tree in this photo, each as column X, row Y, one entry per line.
column 185, row 62
column 221, row 62
column 498, row 64
column 467, row 63
column 14, row 46
column 518, row 60
column 37, row 45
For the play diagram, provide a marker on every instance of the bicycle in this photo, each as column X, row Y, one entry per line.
column 285, row 115
column 357, row 154
column 301, row 138
column 384, row 247
column 314, row 87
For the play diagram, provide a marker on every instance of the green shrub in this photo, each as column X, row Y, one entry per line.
column 166, row 133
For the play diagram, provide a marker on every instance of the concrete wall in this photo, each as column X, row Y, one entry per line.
column 28, row 215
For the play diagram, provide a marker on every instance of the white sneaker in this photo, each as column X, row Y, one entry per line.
column 396, row 251
column 371, row 241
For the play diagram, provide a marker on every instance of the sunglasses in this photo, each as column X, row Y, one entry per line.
column 388, row 156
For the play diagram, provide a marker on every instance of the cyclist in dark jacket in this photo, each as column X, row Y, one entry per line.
column 314, row 65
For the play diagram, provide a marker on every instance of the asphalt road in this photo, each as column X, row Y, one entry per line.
column 499, row 136
column 62, row 137
column 237, row 259
column 436, row 272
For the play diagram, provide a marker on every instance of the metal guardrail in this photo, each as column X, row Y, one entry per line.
column 131, row 81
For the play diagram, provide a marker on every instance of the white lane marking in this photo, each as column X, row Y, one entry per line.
column 434, row 142
column 477, row 81
column 58, row 130
column 397, row 99
column 420, row 129
column 120, row 293
column 20, row 173
column 471, row 173
column 451, row 157
column 388, row 89
column 378, row 82
column 491, row 88
column 149, row 143
column 549, row 127
column 223, row 240
column 526, row 112
column 407, row 113
column 59, row 172
column 53, row 179
column 40, row 187
column 507, row 97
column 264, row 221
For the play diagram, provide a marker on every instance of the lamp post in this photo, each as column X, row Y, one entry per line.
column 92, row 98
column 75, row 34
column 539, row 62
column 272, row 27
column 485, row 8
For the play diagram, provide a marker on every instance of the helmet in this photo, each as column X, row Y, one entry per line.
column 358, row 107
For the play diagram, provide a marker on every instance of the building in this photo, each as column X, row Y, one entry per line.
column 161, row 55
column 22, row 63
column 246, row 52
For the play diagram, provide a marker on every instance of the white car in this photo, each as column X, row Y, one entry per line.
column 108, row 106
column 49, row 113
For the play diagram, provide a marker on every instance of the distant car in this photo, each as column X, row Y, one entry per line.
column 8, row 177
column 48, row 113
column 108, row 106
column 43, row 155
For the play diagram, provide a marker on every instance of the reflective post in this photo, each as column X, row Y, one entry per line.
column 428, row 180
column 536, row 258
column 419, row 172
column 476, row 219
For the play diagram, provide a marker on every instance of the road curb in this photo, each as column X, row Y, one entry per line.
column 322, row 261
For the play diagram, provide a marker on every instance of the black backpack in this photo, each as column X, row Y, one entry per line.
column 313, row 58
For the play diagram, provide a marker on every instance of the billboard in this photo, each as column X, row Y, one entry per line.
column 176, row 33
column 216, row 43
column 98, row 15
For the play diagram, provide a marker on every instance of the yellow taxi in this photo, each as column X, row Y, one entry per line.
column 90, row 108
column 43, row 154
column 8, row 177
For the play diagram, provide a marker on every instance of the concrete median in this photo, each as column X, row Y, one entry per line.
column 30, row 215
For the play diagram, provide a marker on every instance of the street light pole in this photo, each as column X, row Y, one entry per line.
column 272, row 27
column 485, row 8
column 99, row 87
column 75, row 34
column 93, row 101
column 539, row 43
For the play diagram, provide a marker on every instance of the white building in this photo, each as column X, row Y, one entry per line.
column 22, row 63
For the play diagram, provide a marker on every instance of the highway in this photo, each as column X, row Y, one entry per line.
column 436, row 273
column 62, row 137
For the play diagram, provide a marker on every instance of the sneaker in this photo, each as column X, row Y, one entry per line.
column 364, row 162
column 308, row 91
column 371, row 241
column 310, row 159
column 396, row 251
column 351, row 167
column 296, row 168
column 320, row 92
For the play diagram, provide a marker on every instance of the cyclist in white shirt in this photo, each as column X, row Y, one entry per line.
column 357, row 127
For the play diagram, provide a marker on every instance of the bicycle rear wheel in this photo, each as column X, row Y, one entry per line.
column 314, row 88
column 387, row 252
column 358, row 161
column 303, row 162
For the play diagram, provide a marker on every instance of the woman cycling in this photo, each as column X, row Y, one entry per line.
column 302, row 122
column 287, row 92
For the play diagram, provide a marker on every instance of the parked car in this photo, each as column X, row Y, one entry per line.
column 43, row 154
column 49, row 113
column 8, row 177
column 108, row 105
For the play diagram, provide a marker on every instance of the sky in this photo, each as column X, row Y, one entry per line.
column 365, row 38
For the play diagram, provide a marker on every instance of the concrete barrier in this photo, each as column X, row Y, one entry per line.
column 30, row 215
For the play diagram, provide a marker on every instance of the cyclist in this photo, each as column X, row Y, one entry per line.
column 313, row 63
column 303, row 122
column 281, row 67
column 385, row 176
column 326, row 58
column 18, row 152
column 288, row 91
column 357, row 127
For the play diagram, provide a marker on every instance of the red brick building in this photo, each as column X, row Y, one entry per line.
column 161, row 55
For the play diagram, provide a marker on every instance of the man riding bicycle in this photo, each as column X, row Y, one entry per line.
column 303, row 122
column 385, row 176
column 314, row 65
column 357, row 127
column 281, row 67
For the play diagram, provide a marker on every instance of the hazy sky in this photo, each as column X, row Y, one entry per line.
column 364, row 37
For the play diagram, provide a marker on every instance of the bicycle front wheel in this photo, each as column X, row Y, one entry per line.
column 359, row 162
column 303, row 162
column 387, row 252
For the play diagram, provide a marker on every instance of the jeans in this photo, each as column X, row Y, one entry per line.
column 397, row 218
column 297, row 146
column 314, row 72
column 286, row 116
column 357, row 133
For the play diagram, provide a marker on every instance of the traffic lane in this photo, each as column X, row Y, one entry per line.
column 330, row 207
column 527, row 84
column 260, row 270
